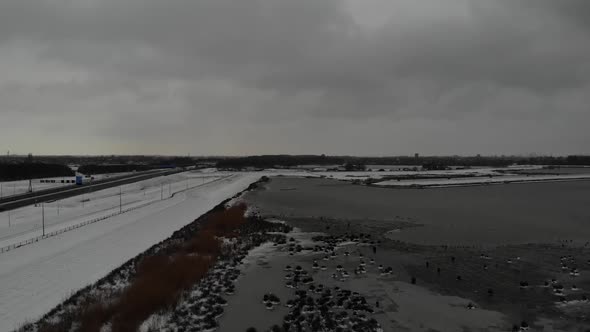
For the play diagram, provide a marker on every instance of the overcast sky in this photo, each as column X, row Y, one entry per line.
column 239, row 77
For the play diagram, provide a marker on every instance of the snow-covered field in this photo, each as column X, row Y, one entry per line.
column 482, row 180
column 363, row 175
column 376, row 175
column 453, row 177
column 25, row 223
column 35, row 278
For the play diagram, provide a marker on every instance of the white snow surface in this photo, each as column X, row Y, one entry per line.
column 483, row 180
column 473, row 171
column 37, row 277
column 26, row 223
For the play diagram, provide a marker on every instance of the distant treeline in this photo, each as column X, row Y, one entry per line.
column 267, row 161
column 278, row 160
column 176, row 161
column 578, row 160
column 110, row 159
column 23, row 171
column 106, row 169
column 90, row 169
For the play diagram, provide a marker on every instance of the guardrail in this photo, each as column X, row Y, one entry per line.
column 69, row 228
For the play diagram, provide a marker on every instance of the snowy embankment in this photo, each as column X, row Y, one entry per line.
column 25, row 224
column 481, row 180
column 35, row 278
column 456, row 172
column 448, row 178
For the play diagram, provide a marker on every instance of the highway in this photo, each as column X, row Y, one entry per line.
column 14, row 202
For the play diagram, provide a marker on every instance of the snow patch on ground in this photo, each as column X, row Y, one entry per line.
column 414, row 303
column 482, row 180
column 155, row 322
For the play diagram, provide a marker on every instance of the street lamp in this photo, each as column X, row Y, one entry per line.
column 43, row 217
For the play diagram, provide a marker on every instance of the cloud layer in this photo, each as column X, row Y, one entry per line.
column 377, row 77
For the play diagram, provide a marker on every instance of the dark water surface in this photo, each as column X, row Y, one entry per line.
column 480, row 215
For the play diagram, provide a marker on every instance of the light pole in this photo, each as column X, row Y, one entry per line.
column 58, row 207
column 9, row 218
column 43, row 217
column 161, row 190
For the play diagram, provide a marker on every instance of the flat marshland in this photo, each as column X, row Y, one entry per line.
column 489, row 258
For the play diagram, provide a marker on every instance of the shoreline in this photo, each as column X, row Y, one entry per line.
column 475, row 183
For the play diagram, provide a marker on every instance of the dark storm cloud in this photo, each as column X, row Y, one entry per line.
column 235, row 63
column 578, row 12
column 310, row 45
